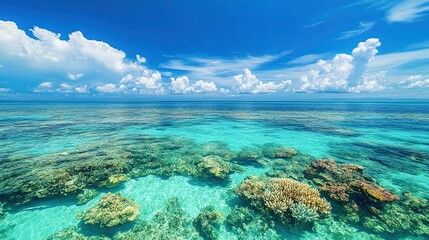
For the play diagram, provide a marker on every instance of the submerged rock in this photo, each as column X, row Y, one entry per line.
column 112, row 210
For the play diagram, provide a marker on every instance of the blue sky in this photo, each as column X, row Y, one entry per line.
column 227, row 50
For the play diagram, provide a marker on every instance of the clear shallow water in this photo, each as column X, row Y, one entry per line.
column 389, row 139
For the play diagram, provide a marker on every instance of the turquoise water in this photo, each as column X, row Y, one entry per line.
column 390, row 140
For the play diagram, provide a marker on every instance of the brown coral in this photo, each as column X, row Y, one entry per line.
column 345, row 181
column 376, row 192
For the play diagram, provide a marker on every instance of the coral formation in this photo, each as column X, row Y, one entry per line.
column 169, row 224
column 247, row 224
column 112, row 210
column 215, row 166
column 284, row 152
column 409, row 215
column 207, row 221
column 343, row 182
column 278, row 195
column 106, row 165
column 302, row 213
column 86, row 196
column 114, row 180
column 250, row 156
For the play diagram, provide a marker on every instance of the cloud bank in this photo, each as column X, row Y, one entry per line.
column 345, row 72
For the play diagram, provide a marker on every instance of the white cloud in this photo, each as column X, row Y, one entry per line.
column 370, row 83
column 81, row 89
column 310, row 58
column 44, row 87
column 140, row 59
column 108, row 88
column 363, row 27
column 416, row 82
column 201, row 87
column 49, row 56
column 181, row 85
column 344, row 72
column 408, row 11
column 145, row 82
column 49, row 48
column 218, row 69
column 4, row 90
column 76, row 76
column 248, row 83
column 64, row 87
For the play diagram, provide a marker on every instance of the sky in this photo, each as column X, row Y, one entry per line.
column 214, row 49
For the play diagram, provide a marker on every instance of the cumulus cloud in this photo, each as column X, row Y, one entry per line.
column 201, row 87
column 47, row 54
column 181, row 85
column 140, row 59
column 108, row 88
column 146, row 82
column 81, row 89
column 49, row 48
column 76, row 76
column 248, row 83
column 416, row 82
column 345, row 72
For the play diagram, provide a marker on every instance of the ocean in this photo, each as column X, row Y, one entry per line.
column 214, row 170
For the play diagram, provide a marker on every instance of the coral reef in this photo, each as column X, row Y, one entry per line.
column 284, row 152
column 409, row 215
column 251, row 156
column 112, row 210
column 343, row 182
column 278, row 195
column 292, row 168
column 215, row 166
column 113, row 180
column 104, row 164
column 86, row 196
column 247, row 224
column 207, row 221
column 169, row 224
column 368, row 203
column 302, row 213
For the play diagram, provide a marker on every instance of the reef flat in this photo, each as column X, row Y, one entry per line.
column 214, row 171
